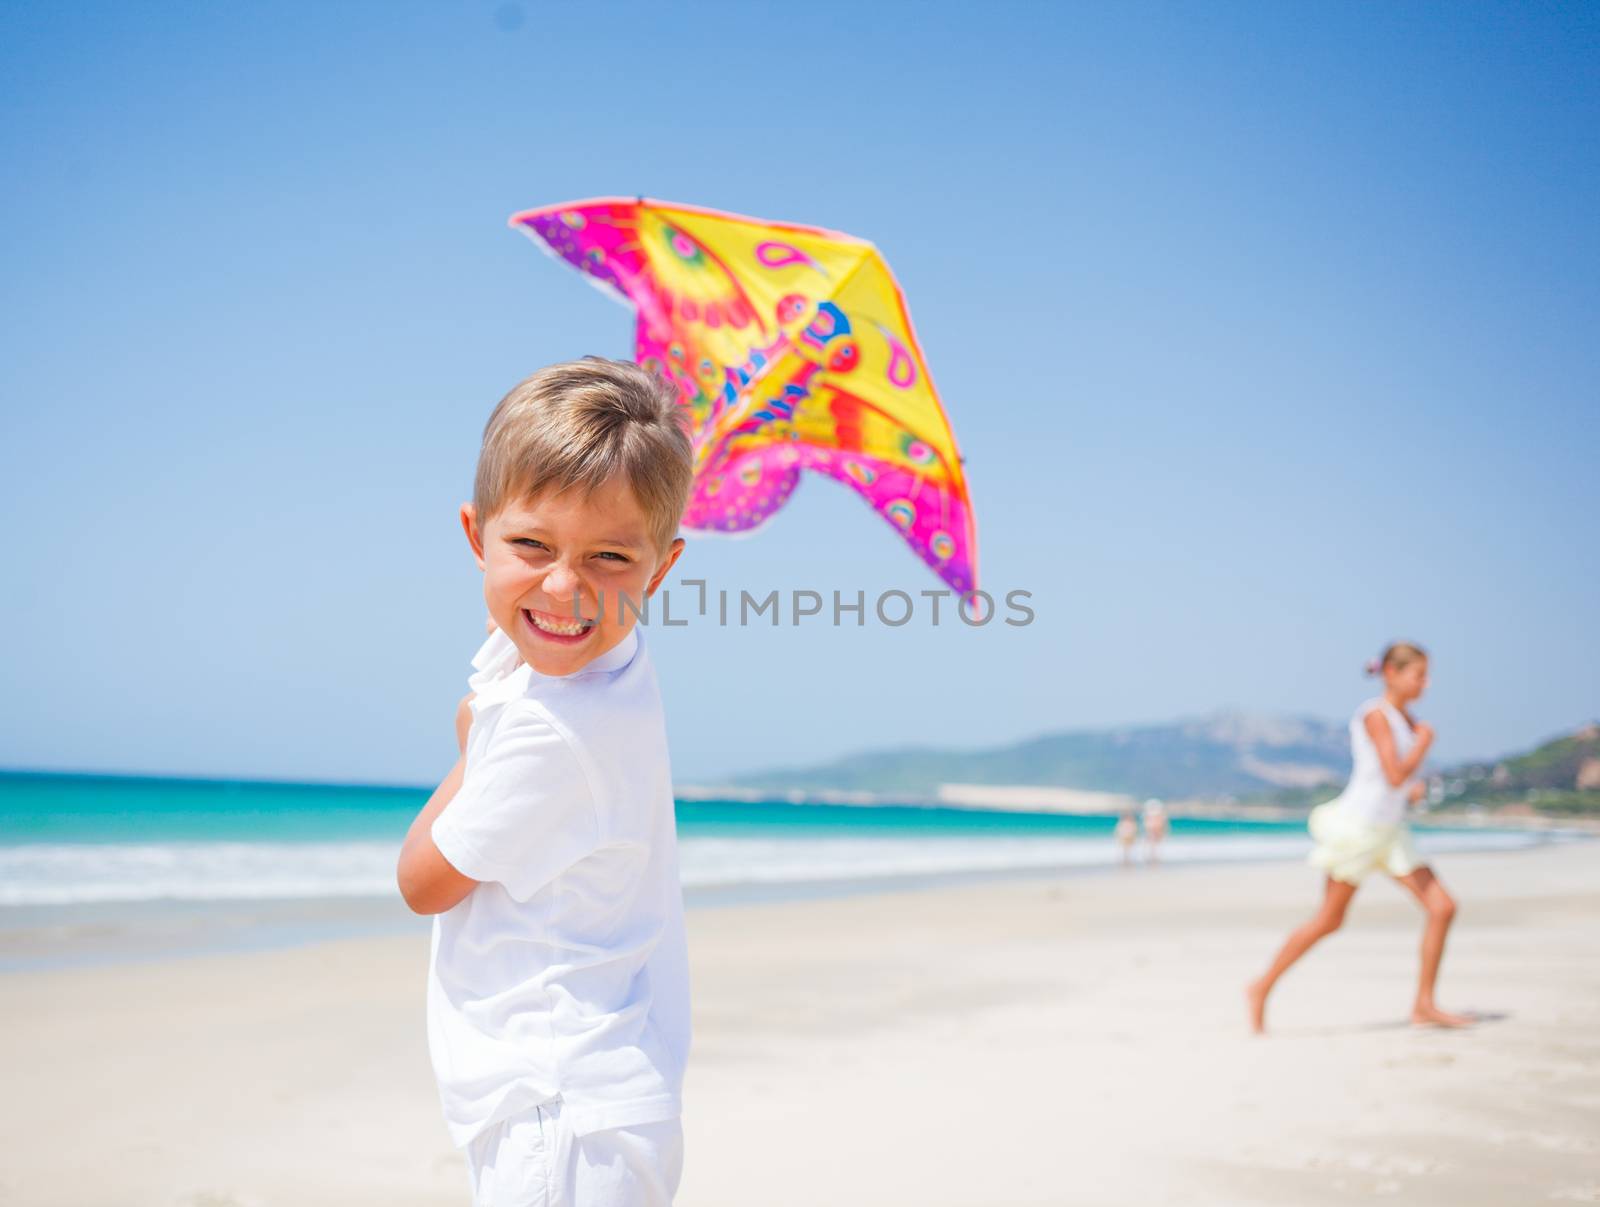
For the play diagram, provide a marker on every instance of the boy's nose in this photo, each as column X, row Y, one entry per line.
column 561, row 583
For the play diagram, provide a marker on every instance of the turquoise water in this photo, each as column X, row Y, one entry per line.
column 61, row 808
column 43, row 807
column 67, row 839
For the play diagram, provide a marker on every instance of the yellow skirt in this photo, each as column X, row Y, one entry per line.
column 1349, row 848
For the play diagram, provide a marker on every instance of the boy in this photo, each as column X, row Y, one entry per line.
column 558, row 995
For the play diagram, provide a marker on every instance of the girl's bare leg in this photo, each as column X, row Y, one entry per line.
column 1441, row 907
column 1328, row 918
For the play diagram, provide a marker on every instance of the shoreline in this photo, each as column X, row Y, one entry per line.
column 1085, row 803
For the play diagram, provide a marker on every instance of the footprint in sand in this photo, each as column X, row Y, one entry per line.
column 1577, row 1194
column 218, row 1198
column 1420, row 1060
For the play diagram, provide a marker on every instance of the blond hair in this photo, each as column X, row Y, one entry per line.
column 1399, row 654
column 583, row 423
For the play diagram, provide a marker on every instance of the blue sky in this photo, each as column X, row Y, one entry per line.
column 1267, row 331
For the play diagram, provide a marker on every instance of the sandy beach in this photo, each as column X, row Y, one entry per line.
column 1074, row 1039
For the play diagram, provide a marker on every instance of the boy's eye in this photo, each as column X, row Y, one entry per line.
column 529, row 542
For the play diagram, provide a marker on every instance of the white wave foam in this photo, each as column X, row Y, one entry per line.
column 71, row 873
column 67, row 873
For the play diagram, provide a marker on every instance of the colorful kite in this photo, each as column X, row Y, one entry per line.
column 792, row 348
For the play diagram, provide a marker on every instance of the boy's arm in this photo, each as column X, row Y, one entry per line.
column 428, row 882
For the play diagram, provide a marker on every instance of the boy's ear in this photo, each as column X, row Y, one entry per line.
column 469, row 521
column 674, row 551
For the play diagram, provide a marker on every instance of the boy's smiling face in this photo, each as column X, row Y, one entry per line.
column 563, row 573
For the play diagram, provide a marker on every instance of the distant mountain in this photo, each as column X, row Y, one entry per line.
column 1224, row 754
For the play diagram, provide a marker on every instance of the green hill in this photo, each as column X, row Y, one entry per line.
column 1561, row 776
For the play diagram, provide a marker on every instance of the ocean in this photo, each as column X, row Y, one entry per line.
column 122, row 857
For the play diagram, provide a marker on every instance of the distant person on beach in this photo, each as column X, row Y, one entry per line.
column 1155, row 829
column 1364, row 829
column 557, row 988
column 1127, row 833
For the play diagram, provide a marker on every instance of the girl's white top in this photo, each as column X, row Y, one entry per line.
column 1369, row 796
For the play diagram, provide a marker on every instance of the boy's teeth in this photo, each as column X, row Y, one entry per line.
column 567, row 628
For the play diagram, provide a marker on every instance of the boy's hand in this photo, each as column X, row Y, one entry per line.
column 1417, row 792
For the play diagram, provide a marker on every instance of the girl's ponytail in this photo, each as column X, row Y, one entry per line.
column 1398, row 655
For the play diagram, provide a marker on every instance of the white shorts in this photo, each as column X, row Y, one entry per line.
column 1350, row 848
column 533, row 1159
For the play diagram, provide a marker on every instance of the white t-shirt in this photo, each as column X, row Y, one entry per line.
column 1369, row 796
column 565, row 973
